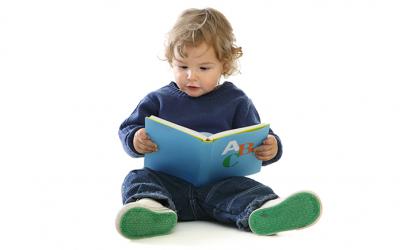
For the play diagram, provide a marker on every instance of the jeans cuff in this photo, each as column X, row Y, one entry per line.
column 163, row 199
column 243, row 221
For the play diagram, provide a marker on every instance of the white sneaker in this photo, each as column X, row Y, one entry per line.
column 145, row 218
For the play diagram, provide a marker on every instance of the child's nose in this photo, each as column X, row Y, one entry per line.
column 191, row 74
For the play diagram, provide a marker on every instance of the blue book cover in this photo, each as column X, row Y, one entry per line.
column 202, row 159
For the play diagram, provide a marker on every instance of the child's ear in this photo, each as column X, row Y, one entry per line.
column 225, row 68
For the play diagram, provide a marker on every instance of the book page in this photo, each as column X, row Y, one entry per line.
column 236, row 131
column 189, row 131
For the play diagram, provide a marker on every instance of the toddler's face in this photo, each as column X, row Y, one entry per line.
column 199, row 72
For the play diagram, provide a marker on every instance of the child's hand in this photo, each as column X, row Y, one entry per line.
column 268, row 149
column 143, row 143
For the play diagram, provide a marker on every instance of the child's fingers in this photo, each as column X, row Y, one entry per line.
column 152, row 146
column 263, row 148
column 266, row 153
column 143, row 143
column 270, row 140
column 148, row 145
column 263, row 157
column 146, row 148
column 141, row 133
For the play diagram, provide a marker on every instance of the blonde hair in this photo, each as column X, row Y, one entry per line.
column 195, row 26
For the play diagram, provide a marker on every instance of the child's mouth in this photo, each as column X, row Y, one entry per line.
column 193, row 87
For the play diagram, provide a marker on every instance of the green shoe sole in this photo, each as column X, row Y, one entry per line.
column 297, row 211
column 139, row 222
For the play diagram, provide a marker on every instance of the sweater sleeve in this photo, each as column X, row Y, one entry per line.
column 148, row 106
column 247, row 115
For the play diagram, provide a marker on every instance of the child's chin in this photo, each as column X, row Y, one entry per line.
column 194, row 92
column 193, row 95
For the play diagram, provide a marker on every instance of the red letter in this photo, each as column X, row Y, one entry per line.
column 249, row 148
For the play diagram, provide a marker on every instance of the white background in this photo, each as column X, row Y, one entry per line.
column 323, row 73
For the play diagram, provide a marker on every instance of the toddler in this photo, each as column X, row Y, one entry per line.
column 201, row 49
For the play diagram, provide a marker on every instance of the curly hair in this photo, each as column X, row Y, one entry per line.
column 195, row 26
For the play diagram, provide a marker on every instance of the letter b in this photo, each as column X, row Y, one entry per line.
column 246, row 150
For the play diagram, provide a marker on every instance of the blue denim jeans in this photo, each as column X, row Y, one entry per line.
column 229, row 201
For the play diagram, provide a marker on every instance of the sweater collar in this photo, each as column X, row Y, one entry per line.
column 220, row 88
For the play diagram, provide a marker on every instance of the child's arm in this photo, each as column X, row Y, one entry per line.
column 247, row 115
column 128, row 129
column 143, row 143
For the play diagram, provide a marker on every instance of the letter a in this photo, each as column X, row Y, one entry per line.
column 232, row 146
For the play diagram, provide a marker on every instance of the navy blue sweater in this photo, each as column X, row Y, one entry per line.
column 225, row 108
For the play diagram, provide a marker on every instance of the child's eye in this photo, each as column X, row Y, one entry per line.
column 183, row 67
column 204, row 68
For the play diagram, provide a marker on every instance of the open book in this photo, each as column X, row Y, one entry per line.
column 202, row 159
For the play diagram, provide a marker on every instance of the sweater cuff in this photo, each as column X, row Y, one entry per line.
column 130, row 149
